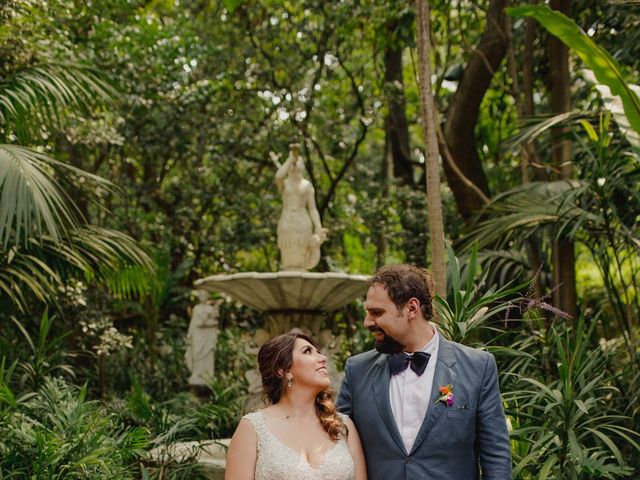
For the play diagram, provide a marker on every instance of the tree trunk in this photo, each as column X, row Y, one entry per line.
column 525, row 108
column 429, row 122
column 414, row 227
column 381, row 233
column 536, row 170
column 396, row 127
column 463, row 114
column 564, row 277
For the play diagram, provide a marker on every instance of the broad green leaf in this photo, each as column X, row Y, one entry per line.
column 604, row 66
column 614, row 104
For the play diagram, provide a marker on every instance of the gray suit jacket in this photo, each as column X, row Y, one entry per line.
column 466, row 441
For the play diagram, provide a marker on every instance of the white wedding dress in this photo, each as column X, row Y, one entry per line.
column 276, row 461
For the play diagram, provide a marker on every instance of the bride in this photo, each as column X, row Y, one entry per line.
column 300, row 435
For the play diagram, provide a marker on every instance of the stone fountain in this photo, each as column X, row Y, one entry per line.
column 293, row 297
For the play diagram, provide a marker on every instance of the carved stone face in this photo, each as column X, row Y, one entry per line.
column 297, row 166
column 202, row 295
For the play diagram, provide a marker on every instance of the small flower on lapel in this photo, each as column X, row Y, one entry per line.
column 446, row 395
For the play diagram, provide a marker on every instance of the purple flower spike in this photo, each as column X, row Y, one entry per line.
column 450, row 400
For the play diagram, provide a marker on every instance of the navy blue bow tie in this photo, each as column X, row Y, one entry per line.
column 398, row 362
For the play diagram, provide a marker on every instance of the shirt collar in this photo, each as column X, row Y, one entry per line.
column 432, row 346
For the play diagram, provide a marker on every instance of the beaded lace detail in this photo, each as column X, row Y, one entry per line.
column 276, row 461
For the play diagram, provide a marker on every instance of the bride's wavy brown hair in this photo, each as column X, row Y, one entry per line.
column 276, row 357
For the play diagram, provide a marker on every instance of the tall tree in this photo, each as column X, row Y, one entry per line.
column 462, row 115
column 564, row 275
column 396, row 127
column 432, row 154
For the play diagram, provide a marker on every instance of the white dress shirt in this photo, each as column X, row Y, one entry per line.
column 409, row 395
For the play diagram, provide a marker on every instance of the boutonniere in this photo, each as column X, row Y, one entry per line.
column 446, row 395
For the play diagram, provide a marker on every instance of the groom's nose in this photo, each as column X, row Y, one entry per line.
column 368, row 322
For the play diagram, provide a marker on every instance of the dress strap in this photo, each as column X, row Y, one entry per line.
column 259, row 425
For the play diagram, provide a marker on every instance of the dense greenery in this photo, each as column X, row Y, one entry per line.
column 139, row 141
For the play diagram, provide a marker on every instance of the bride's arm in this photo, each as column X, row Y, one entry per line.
column 242, row 453
column 355, row 448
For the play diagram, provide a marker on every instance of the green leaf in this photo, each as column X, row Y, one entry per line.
column 546, row 468
column 32, row 202
column 612, row 446
column 580, row 404
column 232, row 5
column 43, row 93
column 589, row 129
column 614, row 105
column 604, row 66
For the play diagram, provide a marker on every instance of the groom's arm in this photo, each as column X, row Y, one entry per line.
column 494, row 448
column 343, row 403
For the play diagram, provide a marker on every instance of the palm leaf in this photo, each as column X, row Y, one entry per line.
column 44, row 91
column 536, row 206
column 32, row 203
column 114, row 259
column 98, row 255
column 26, row 277
column 540, row 124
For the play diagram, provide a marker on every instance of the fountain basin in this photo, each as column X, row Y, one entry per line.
column 289, row 290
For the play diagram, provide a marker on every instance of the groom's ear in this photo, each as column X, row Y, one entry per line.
column 413, row 307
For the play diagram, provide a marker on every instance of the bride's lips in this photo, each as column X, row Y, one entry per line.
column 322, row 370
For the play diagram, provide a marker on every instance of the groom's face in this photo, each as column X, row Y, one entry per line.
column 384, row 320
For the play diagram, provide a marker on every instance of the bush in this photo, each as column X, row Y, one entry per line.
column 568, row 424
column 54, row 433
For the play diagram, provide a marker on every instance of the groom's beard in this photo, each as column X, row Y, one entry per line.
column 388, row 344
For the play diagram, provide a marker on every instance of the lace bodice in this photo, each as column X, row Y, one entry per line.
column 276, row 461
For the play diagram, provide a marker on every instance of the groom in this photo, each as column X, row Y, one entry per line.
column 425, row 407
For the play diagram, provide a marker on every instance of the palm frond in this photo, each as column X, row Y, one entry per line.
column 44, row 92
column 505, row 266
column 32, row 203
column 531, row 207
column 96, row 254
column 114, row 259
column 24, row 277
column 540, row 124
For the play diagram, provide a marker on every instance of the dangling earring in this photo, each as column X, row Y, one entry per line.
column 289, row 381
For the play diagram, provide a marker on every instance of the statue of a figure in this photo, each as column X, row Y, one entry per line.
column 202, row 339
column 300, row 232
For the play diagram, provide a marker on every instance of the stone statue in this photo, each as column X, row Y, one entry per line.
column 202, row 339
column 300, row 232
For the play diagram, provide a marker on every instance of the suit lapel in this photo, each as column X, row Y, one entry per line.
column 381, row 377
column 443, row 375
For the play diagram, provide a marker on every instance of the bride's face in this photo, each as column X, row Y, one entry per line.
column 309, row 367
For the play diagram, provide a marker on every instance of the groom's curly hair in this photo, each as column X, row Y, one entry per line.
column 274, row 359
column 403, row 282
